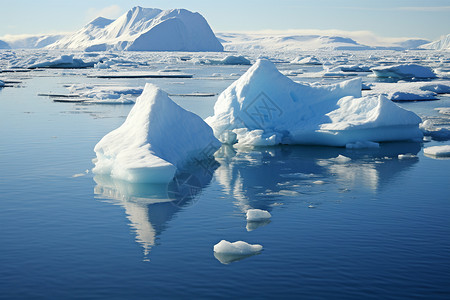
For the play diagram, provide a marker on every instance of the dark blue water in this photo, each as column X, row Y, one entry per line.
column 377, row 228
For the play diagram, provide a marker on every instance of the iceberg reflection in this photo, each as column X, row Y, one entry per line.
column 260, row 177
column 149, row 207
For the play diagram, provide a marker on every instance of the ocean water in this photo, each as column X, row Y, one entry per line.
column 376, row 227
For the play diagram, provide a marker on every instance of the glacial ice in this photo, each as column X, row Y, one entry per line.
column 145, row 29
column 264, row 107
column 256, row 215
column 236, row 248
column 404, row 71
column 157, row 138
column 438, row 151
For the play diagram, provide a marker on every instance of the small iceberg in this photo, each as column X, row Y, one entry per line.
column 227, row 252
column 404, row 71
column 256, row 215
column 438, row 151
column 157, row 138
column 64, row 62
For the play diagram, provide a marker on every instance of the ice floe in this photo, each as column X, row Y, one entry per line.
column 157, row 138
column 410, row 91
column 237, row 248
column 64, row 62
column 438, row 151
column 264, row 107
column 404, row 71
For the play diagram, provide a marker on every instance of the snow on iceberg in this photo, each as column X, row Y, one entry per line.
column 256, row 215
column 404, row 71
column 145, row 29
column 264, row 108
column 438, row 151
column 157, row 138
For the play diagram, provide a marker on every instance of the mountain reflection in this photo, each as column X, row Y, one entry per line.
column 150, row 207
column 261, row 177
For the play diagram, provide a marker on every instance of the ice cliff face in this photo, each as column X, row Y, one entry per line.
column 145, row 29
column 442, row 44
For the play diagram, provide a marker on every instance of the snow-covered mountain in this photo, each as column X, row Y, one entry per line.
column 145, row 29
column 442, row 44
column 4, row 45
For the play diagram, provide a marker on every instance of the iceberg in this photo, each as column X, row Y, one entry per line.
column 404, row 71
column 256, row 215
column 236, row 248
column 265, row 108
column 157, row 139
column 441, row 44
column 145, row 29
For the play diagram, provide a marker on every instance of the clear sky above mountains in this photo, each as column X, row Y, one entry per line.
column 390, row 18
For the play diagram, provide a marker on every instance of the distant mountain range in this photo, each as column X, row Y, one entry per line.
column 151, row 29
column 297, row 42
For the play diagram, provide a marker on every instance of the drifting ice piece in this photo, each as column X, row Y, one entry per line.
column 236, row 248
column 256, row 215
column 404, row 71
column 438, row 151
column 264, row 108
column 157, row 137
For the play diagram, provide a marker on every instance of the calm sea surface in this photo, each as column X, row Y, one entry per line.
column 377, row 227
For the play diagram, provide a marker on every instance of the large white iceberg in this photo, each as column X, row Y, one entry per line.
column 145, row 29
column 404, row 71
column 441, row 44
column 157, row 138
column 264, row 107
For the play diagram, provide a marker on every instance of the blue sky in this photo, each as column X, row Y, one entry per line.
column 389, row 18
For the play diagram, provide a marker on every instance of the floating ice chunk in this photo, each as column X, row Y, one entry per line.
column 407, row 156
column 441, row 110
column 157, row 137
column 255, row 215
column 264, row 107
column 404, row 71
column 2, row 83
column 64, row 62
column 319, row 182
column 362, row 145
column 341, row 159
column 438, row 151
column 310, row 60
column 237, row 248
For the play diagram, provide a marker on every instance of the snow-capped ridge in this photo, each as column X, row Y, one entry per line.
column 441, row 44
column 145, row 29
